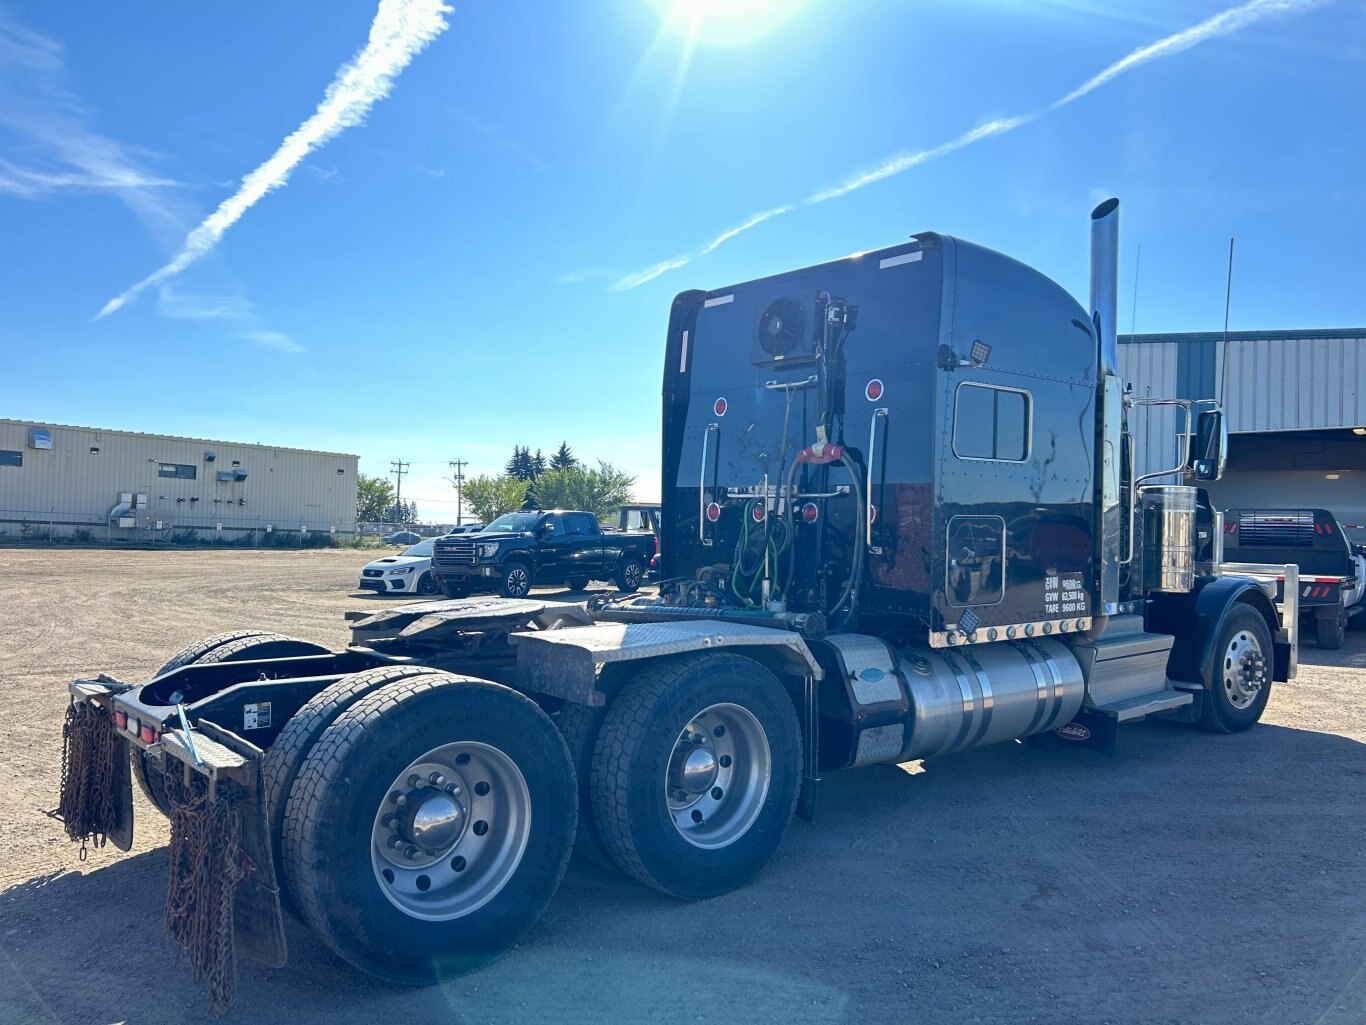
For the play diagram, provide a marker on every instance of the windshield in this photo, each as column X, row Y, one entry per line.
column 513, row 522
column 422, row 550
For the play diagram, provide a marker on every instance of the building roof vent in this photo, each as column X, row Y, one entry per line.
column 209, row 457
column 39, row 437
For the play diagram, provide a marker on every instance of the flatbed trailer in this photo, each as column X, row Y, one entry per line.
column 873, row 552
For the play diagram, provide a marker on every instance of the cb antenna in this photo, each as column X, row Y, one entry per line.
column 1228, row 299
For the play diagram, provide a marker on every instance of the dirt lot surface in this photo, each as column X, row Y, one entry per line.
column 1190, row 879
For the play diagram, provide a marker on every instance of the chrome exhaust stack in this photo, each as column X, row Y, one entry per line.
column 1105, row 282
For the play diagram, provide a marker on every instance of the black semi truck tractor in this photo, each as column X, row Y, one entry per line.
column 900, row 518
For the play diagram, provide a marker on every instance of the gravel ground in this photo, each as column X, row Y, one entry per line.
column 1191, row 878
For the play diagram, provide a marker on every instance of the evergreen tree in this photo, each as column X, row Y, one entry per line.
column 537, row 464
column 564, row 458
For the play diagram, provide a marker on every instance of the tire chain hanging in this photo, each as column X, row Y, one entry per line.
column 90, row 752
column 204, row 868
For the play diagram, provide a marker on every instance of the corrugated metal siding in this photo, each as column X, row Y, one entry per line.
column 1277, row 381
column 1297, row 384
column 286, row 488
column 1153, row 369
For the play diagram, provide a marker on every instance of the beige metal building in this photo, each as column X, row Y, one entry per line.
column 119, row 485
column 1296, row 404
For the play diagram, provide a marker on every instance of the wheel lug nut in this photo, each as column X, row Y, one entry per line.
column 414, row 780
column 395, row 842
column 389, row 821
column 437, row 780
column 452, row 789
column 410, row 852
column 398, row 798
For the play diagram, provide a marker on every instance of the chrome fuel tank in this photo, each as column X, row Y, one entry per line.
column 986, row 693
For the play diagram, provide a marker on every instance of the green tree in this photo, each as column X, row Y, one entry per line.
column 374, row 498
column 538, row 466
column 601, row 491
column 564, row 458
column 490, row 497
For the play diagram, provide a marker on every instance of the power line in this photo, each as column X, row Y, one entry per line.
column 458, row 478
column 398, row 469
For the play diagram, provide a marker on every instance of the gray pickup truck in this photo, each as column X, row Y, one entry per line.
column 521, row 549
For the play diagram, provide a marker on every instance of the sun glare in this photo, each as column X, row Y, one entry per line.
column 724, row 22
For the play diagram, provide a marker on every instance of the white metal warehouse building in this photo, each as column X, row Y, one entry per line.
column 1296, row 405
column 119, row 485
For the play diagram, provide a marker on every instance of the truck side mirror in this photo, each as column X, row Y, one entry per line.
column 1210, row 451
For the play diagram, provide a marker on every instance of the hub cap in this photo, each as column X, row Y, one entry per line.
column 450, row 831
column 718, row 776
column 518, row 583
column 1244, row 669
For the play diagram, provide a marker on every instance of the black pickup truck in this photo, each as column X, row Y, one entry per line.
column 1332, row 569
column 521, row 549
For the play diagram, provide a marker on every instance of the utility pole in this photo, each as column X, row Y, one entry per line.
column 458, row 478
column 399, row 468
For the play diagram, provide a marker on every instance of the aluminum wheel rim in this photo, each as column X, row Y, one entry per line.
column 455, row 858
column 1244, row 669
column 725, row 748
column 517, row 581
column 631, row 574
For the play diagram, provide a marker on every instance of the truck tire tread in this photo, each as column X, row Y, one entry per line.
column 309, row 863
column 613, row 776
column 285, row 756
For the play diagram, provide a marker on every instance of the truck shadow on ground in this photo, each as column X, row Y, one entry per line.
column 1189, row 878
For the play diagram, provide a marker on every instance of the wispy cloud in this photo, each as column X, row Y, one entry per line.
column 277, row 340
column 587, row 274
column 172, row 302
column 1221, row 24
column 52, row 147
column 401, row 29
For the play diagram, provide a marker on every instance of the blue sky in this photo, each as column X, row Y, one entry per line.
column 473, row 265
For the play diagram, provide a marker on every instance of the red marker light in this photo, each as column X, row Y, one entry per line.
column 874, row 390
column 719, row 407
column 120, row 718
column 148, row 734
column 758, row 513
column 713, row 512
column 810, row 513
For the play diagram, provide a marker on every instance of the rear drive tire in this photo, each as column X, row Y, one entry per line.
column 242, row 646
column 1239, row 684
column 496, row 826
column 580, row 725
column 285, row 757
column 696, row 772
column 1330, row 633
column 516, row 581
column 631, row 573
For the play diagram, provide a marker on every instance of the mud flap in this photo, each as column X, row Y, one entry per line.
column 1091, row 731
column 121, row 835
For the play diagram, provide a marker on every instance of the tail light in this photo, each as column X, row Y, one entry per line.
column 149, row 734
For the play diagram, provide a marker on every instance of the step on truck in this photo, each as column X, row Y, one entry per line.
column 900, row 518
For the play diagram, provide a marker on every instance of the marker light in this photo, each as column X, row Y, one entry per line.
column 758, row 513
column 713, row 512
column 719, row 407
column 810, row 512
column 873, row 391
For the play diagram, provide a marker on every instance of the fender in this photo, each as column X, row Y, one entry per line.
column 1195, row 619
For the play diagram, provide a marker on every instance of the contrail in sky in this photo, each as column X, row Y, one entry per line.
column 401, row 29
column 1222, row 24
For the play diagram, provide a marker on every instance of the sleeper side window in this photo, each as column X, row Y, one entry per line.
column 991, row 423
